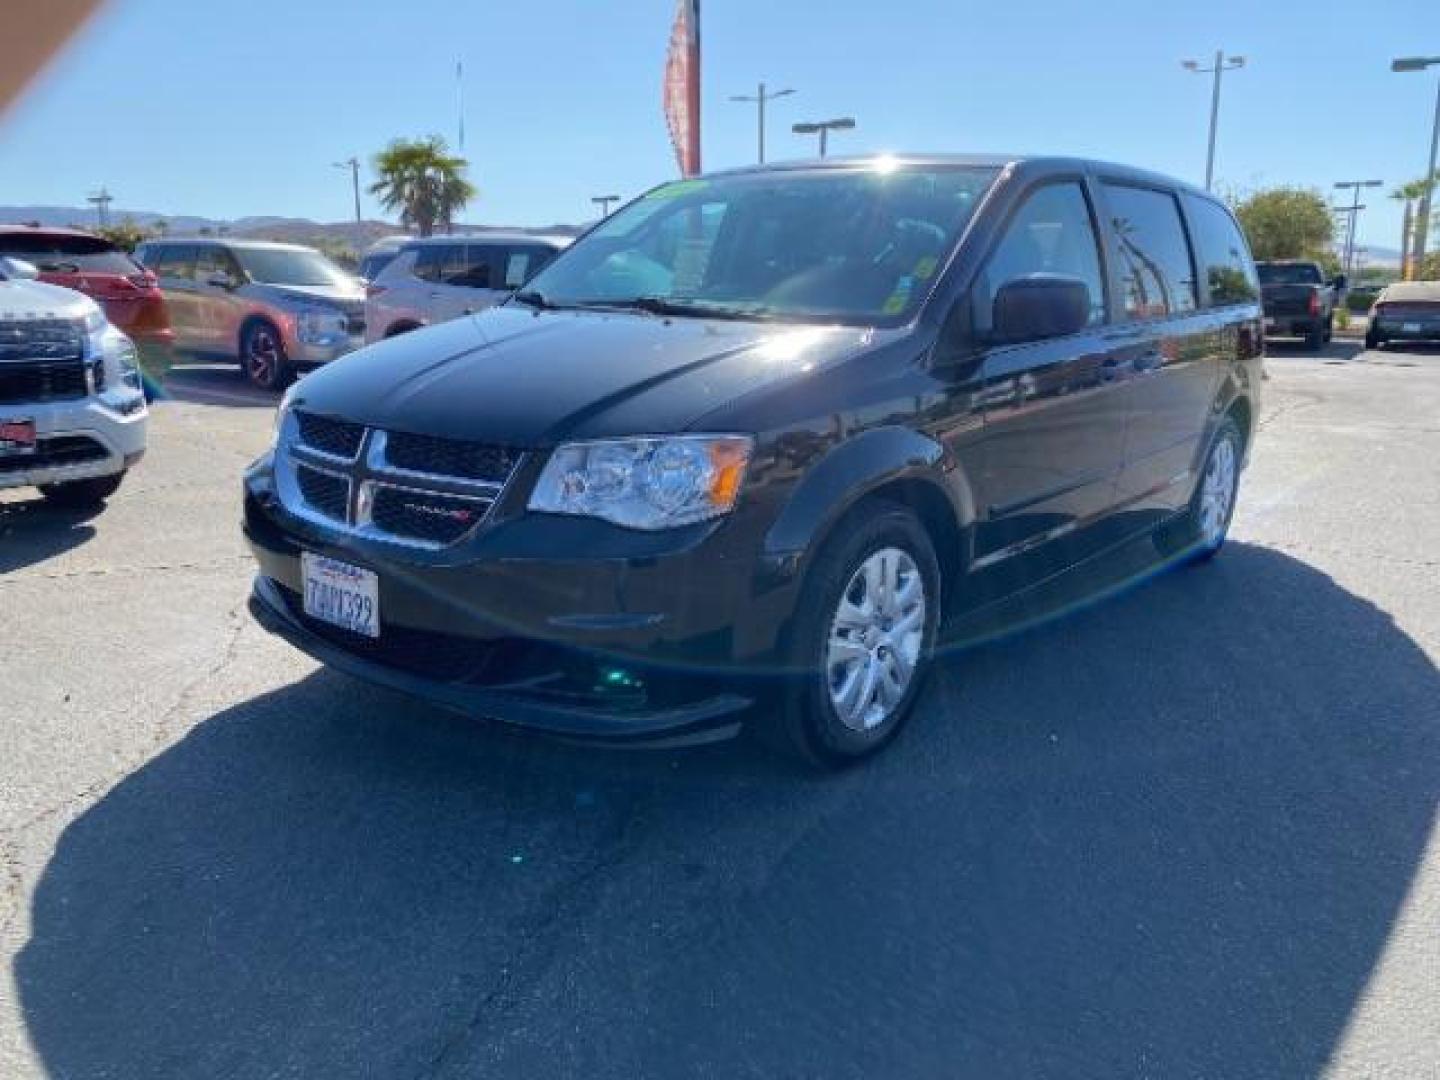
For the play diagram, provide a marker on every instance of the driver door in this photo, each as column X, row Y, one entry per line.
column 1054, row 410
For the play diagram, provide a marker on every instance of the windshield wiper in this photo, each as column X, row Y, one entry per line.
column 667, row 305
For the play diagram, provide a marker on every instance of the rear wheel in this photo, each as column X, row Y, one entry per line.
column 1202, row 529
column 863, row 638
column 1330, row 329
column 1373, row 340
column 82, row 494
column 1315, row 338
column 263, row 358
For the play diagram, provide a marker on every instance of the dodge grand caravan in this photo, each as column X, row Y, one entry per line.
column 732, row 454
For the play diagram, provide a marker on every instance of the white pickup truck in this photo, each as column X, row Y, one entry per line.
column 72, row 403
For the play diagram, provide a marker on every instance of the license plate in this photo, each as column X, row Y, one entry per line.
column 1269, row 324
column 340, row 594
column 17, row 436
column 1410, row 328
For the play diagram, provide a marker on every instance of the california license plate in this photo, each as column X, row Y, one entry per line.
column 1410, row 328
column 340, row 594
column 1269, row 324
column 17, row 436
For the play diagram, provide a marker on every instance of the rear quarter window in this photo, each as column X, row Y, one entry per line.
column 1224, row 256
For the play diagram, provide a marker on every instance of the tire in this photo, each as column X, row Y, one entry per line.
column 82, row 494
column 401, row 328
column 1201, row 530
column 263, row 357
column 1373, row 340
column 1315, row 338
column 1330, row 329
column 879, row 542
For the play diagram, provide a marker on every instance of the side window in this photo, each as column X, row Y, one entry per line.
column 438, row 262
column 521, row 264
column 1157, row 276
column 178, row 261
column 1051, row 233
column 476, row 267
column 207, row 262
column 1224, row 255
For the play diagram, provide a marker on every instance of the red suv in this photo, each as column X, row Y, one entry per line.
column 94, row 266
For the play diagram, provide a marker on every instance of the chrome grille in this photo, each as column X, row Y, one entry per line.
column 43, row 360
column 414, row 490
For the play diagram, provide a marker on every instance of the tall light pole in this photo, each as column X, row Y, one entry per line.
column 1354, row 211
column 604, row 201
column 1222, row 64
column 102, row 200
column 760, row 97
column 823, row 128
column 353, row 164
column 1422, row 227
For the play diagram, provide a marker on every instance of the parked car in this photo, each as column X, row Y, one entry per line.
column 125, row 290
column 72, row 408
column 379, row 255
column 444, row 277
column 1299, row 301
column 276, row 308
column 1405, row 311
column 747, row 440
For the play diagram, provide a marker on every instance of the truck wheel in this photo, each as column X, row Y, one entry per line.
column 1315, row 338
column 82, row 494
column 862, row 641
column 1330, row 329
column 1373, row 340
column 262, row 356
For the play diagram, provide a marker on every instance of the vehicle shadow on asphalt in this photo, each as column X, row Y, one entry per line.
column 1167, row 836
column 34, row 529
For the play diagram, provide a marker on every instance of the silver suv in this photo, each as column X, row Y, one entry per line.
column 274, row 307
column 444, row 277
column 72, row 407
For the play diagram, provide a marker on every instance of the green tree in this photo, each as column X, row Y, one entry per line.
column 125, row 235
column 1287, row 223
column 423, row 181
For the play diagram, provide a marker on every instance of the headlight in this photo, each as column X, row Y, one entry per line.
column 645, row 483
column 319, row 324
column 122, row 350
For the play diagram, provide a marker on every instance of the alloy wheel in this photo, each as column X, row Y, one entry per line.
column 1217, row 493
column 875, row 640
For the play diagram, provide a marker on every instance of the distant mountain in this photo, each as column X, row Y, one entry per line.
column 348, row 235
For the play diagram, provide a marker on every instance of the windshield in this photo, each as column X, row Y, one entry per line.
column 284, row 266
column 1289, row 274
column 844, row 245
column 68, row 255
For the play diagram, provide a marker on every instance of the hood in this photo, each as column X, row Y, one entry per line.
column 37, row 300
column 342, row 296
column 521, row 378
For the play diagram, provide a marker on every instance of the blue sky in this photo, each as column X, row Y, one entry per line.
column 228, row 109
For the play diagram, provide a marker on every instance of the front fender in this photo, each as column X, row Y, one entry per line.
column 848, row 473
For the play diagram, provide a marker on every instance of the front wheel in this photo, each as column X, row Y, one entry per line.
column 82, row 494
column 1202, row 529
column 263, row 358
column 863, row 638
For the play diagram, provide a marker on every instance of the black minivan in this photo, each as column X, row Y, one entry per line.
column 733, row 454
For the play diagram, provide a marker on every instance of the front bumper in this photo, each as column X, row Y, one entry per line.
column 119, row 436
column 522, row 623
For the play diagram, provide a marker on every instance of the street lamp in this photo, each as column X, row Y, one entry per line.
column 1222, row 64
column 1422, row 227
column 353, row 164
column 823, row 128
column 760, row 98
column 604, row 201
column 1354, row 211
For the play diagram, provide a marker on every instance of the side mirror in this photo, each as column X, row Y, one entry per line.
column 12, row 269
column 1040, row 306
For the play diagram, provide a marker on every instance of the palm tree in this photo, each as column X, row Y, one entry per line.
column 423, row 181
column 1410, row 194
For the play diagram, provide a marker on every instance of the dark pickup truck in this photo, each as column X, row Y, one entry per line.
column 1299, row 301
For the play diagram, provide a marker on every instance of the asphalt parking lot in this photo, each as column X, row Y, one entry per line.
column 1186, row 831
